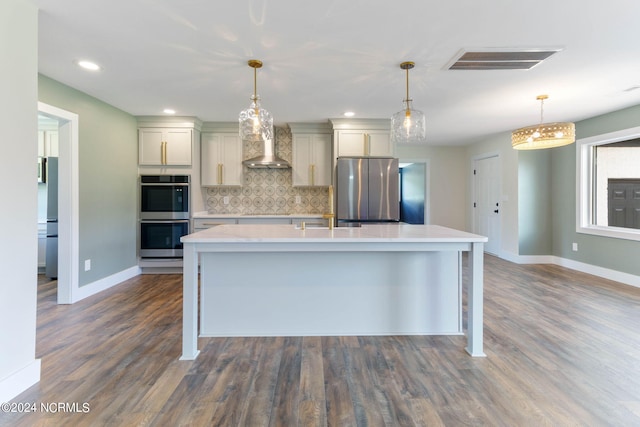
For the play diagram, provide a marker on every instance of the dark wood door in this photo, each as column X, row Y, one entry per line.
column 624, row 203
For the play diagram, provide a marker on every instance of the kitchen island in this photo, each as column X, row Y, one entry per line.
column 283, row 280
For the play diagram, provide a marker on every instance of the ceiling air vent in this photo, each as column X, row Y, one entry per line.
column 504, row 59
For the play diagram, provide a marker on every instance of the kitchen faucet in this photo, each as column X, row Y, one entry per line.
column 331, row 215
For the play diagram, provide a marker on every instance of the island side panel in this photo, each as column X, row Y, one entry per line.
column 190, row 302
column 330, row 293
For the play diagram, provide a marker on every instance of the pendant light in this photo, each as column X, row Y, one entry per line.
column 408, row 126
column 543, row 135
column 256, row 123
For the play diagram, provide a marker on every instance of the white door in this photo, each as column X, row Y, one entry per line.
column 487, row 207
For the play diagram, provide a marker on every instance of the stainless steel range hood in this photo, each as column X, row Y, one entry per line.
column 268, row 159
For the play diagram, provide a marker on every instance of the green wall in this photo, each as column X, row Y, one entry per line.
column 534, row 202
column 107, row 180
column 616, row 254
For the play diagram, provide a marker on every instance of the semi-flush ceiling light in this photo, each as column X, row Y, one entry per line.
column 408, row 126
column 256, row 123
column 543, row 135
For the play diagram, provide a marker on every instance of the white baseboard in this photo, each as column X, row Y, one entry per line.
column 19, row 381
column 105, row 283
column 605, row 273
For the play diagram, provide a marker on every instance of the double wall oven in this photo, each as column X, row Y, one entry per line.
column 164, row 215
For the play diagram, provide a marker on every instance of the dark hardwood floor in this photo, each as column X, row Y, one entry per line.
column 563, row 349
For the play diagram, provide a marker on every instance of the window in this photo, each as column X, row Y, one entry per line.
column 608, row 181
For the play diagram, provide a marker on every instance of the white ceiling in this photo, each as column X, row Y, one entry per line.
column 322, row 58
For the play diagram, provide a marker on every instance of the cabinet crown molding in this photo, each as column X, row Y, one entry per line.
column 368, row 124
column 315, row 128
column 169, row 122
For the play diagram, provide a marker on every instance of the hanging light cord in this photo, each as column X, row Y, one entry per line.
column 255, row 83
column 407, row 66
column 542, row 98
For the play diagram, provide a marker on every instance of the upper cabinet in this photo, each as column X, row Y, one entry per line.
column 362, row 138
column 166, row 142
column 48, row 143
column 165, row 146
column 311, row 154
column 221, row 156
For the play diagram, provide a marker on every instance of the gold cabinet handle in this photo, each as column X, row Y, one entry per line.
column 313, row 174
column 163, row 152
column 367, row 141
column 219, row 173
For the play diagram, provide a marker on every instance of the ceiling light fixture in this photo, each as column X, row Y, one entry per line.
column 256, row 123
column 408, row 126
column 543, row 135
column 169, row 111
column 88, row 65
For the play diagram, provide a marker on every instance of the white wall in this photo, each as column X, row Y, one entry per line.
column 19, row 369
column 500, row 144
column 446, row 181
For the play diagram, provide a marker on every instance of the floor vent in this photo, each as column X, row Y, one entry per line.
column 505, row 59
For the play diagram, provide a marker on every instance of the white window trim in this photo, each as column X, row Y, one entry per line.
column 584, row 179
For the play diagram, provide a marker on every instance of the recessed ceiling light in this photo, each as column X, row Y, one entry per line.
column 169, row 111
column 349, row 114
column 88, row 65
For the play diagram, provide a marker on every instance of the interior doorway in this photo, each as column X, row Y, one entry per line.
column 68, row 228
column 486, row 201
column 414, row 195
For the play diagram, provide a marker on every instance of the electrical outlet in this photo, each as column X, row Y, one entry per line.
column 575, row 247
column 87, row 264
column 225, row 200
column 298, row 200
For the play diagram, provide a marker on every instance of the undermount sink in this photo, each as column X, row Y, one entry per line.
column 319, row 227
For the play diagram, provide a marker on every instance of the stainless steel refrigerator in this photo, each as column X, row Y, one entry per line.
column 51, row 254
column 367, row 190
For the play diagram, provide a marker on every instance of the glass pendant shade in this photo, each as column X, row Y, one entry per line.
column 408, row 126
column 256, row 123
column 543, row 135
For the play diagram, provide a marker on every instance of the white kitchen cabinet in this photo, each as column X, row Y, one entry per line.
column 362, row 138
column 48, row 143
column 221, row 157
column 311, row 160
column 310, row 222
column 363, row 143
column 165, row 146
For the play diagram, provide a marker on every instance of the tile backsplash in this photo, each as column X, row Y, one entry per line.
column 268, row 191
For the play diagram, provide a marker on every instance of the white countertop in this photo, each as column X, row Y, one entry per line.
column 233, row 233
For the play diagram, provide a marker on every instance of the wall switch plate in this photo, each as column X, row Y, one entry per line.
column 575, row 247
column 225, row 200
column 298, row 200
column 87, row 264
